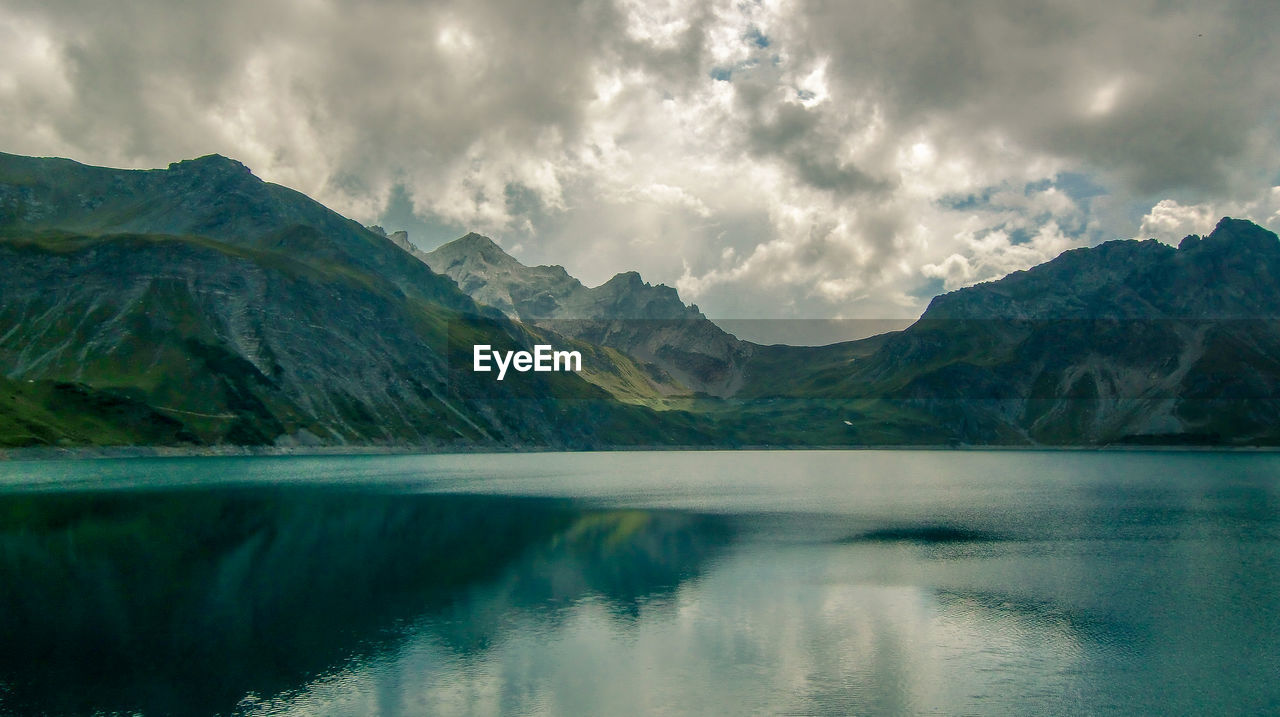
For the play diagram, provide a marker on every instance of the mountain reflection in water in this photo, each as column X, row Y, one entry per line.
column 881, row 582
column 186, row 601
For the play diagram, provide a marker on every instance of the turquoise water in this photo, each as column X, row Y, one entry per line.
column 861, row 582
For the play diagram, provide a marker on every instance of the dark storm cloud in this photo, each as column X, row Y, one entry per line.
column 795, row 135
column 1192, row 85
column 391, row 85
column 1164, row 95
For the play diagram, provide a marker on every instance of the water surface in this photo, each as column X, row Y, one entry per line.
column 895, row 582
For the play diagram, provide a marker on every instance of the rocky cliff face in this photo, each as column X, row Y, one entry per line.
column 683, row 350
column 494, row 278
column 211, row 197
column 1231, row 273
column 241, row 348
column 199, row 304
column 1125, row 342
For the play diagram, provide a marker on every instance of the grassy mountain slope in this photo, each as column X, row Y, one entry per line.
column 677, row 349
column 1129, row 341
column 225, row 310
column 199, row 305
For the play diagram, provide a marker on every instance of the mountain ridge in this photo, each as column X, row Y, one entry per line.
column 1135, row 270
column 198, row 305
column 686, row 351
column 259, row 331
column 1130, row 341
column 212, row 196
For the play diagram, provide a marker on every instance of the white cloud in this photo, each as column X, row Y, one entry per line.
column 1104, row 99
column 1170, row 221
column 993, row 254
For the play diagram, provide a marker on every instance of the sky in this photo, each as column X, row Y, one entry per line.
column 771, row 160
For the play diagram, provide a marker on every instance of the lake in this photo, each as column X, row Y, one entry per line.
column 806, row 582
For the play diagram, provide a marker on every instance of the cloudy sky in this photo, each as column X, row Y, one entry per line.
column 769, row 159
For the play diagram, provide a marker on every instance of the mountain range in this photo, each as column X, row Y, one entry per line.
column 681, row 350
column 201, row 306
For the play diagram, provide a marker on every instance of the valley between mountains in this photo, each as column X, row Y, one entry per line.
column 200, row 307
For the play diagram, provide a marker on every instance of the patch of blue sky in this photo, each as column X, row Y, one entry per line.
column 1078, row 185
column 725, row 74
column 426, row 232
column 930, row 288
column 754, row 37
column 964, row 202
column 1019, row 235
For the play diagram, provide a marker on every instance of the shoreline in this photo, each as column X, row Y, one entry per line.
column 50, row 453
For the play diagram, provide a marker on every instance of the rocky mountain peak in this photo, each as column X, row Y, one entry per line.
column 627, row 279
column 401, row 239
column 1233, row 235
column 1128, row 278
column 477, row 242
column 650, row 323
column 210, row 164
column 474, row 248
